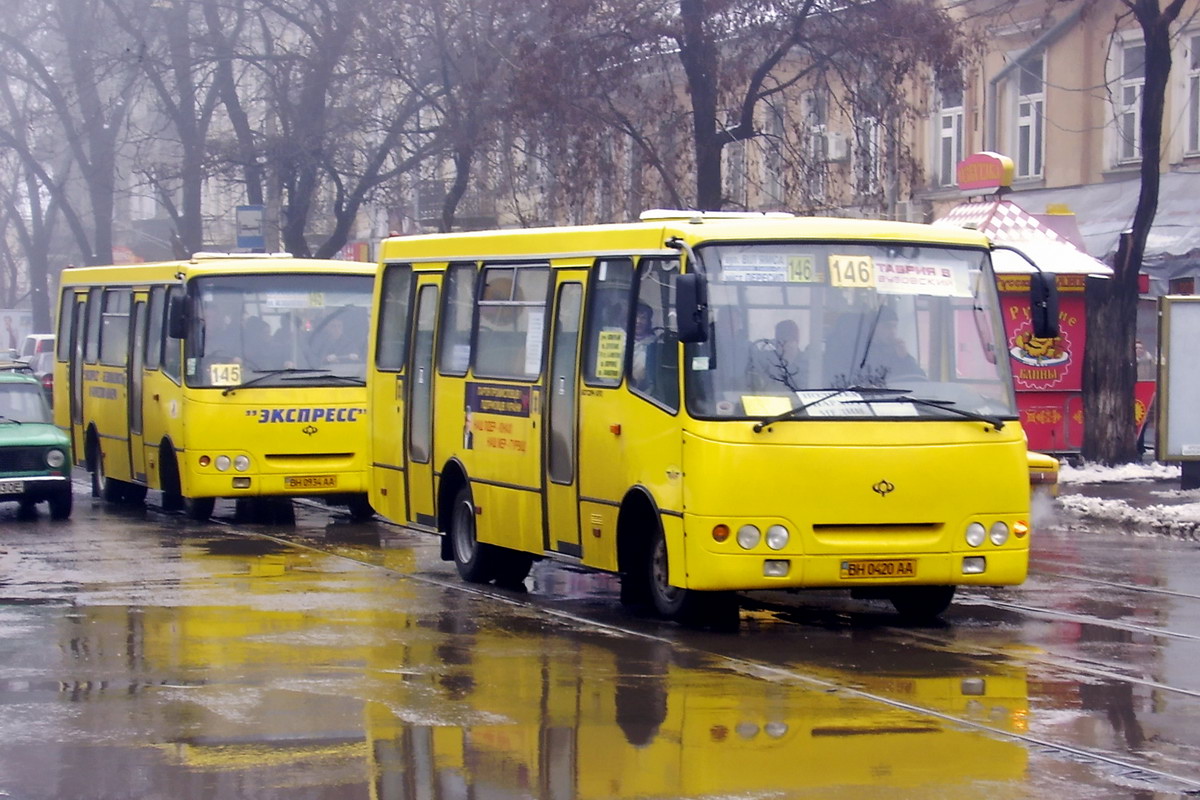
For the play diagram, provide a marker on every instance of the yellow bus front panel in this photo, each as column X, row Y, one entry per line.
column 290, row 444
column 857, row 515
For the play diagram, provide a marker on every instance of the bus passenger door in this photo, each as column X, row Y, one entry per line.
column 421, row 503
column 78, row 331
column 561, row 475
column 135, row 377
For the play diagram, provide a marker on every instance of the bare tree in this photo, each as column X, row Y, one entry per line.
column 1109, row 372
column 67, row 52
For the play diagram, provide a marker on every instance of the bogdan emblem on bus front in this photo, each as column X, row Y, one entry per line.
column 307, row 414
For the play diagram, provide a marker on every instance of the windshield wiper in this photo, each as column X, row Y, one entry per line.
column 10, row 419
column 347, row 378
column 945, row 405
column 792, row 412
column 263, row 374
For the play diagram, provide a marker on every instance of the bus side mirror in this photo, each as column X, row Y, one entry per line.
column 1043, row 304
column 691, row 307
column 177, row 316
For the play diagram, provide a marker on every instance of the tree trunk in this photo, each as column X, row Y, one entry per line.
column 1110, row 434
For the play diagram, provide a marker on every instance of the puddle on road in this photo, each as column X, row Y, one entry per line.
column 215, row 669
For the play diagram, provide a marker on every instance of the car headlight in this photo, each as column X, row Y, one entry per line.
column 998, row 534
column 976, row 533
column 55, row 458
column 241, row 463
column 222, row 463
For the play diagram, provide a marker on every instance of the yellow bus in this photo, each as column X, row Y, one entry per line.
column 238, row 376
column 706, row 404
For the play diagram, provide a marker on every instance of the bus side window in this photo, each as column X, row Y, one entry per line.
column 91, row 348
column 654, row 356
column 608, row 322
column 393, row 318
column 512, row 310
column 454, row 342
column 172, row 348
column 154, row 331
column 114, row 328
column 62, row 342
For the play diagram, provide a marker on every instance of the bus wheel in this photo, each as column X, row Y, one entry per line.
column 199, row 508
column 60, row 503
column 716, row 610
column 512, row 568
column 921, row 603
column 476, row 562
column 360, row 508
column 102, row 485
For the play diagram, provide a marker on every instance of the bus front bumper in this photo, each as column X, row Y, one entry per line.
column 708, row 571
column 292, row 485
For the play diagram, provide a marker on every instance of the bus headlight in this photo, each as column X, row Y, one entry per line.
column 241, row 463
column 777, row 537
column 223, row 463
column 55, row 458
column 776, row 730
column 976, row 533
column 998, row 534
column 748, row 536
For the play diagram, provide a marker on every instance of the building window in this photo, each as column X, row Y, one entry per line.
column 1193, row 104
column 868, row 155
column 1031, row 115
column 1128, row 100
column 950, row 135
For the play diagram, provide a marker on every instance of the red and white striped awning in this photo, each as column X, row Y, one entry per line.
column 1006, row 223
column 1001, row 220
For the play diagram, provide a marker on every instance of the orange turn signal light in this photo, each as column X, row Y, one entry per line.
column 1020, row 528
column 720, row 532
column 205, row 461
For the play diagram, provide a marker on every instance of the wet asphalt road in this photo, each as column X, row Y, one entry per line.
column 145, row 656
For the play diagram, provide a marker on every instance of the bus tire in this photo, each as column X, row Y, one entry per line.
column 104, row 487
column 475, row 561
column 921, row 603
column 512, row 568
column 199, row 508
column 61, row 502
column 168, row 478
column 360, row 508
column 715, row 610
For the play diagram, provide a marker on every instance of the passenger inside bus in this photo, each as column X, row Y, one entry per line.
column 866, row 349
column 644, row 365
column 335, row 341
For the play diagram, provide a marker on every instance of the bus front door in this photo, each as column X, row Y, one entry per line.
column 78, row 331
column 135, row 377
column 421, row 503
column 561, row 474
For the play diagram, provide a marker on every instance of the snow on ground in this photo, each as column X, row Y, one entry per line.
column 1094, row 473
column 1178, row 521
column 1177, row 516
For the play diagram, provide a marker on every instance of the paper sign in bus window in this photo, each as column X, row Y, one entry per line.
column 610, row 353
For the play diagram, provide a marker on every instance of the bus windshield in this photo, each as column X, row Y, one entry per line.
column 277, row 329
column 849, row 330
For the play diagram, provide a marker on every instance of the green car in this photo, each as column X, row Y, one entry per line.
column 35, row 456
